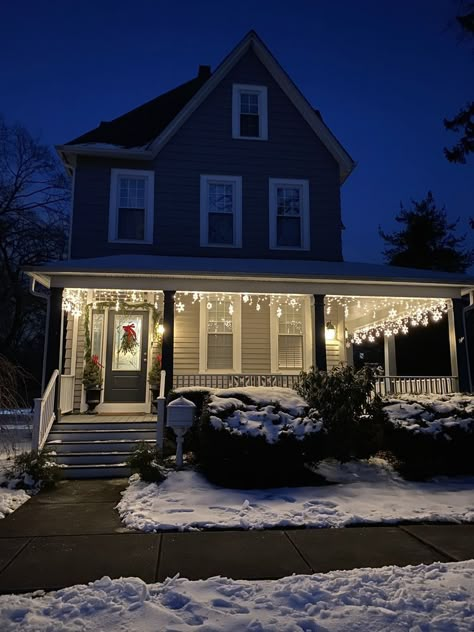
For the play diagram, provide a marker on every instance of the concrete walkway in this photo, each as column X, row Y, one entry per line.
column 73, row 535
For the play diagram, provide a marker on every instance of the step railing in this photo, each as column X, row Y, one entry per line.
column 161, row 413
column 415, row 384
column 66, row 393
column 44, row 413
column 230, row 380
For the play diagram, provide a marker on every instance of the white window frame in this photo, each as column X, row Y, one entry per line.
column 307, row 338
column 236, row 339
column 303, row 185
column 115, row 176
column 236, row 182
column 261, row 91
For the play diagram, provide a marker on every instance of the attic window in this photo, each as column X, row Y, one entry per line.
column 131, row 206
column 249, row 112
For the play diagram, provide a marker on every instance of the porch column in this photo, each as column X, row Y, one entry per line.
column 320, row 332
column 53, row 342
column 390, row 355
column 458, row 344
column 167, row 348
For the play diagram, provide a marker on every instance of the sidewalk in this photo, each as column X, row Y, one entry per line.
column 73, row 535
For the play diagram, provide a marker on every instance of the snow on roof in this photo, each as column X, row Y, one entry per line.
column 215, row 266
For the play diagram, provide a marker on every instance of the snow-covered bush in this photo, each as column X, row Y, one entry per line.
column 145, row 460
column 431, row 435
column 34, row 469
column 352, row 417
column 258, row 437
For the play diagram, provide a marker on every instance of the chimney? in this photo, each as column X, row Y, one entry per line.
column 204, row 72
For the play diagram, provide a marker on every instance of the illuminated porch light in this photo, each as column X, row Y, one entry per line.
column 161, row 329
column 330, row 331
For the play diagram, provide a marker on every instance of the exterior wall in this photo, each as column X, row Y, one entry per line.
column 186, row 340
column 68, row 344
column 256, row 339
column 204, row 145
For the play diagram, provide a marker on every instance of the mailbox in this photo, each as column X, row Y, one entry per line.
column 180, row 416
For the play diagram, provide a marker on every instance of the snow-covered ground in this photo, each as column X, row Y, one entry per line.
column 421, row 598
column 365, row 492
column 10, row 498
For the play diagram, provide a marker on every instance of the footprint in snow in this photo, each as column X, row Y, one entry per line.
column 170, row 511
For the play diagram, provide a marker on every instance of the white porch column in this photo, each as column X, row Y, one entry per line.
column 390, row 356
column 453, row 352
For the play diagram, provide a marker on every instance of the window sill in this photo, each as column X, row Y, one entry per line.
column 220, row 245
column 294, row 248
column 249, row 137
column 130, row 241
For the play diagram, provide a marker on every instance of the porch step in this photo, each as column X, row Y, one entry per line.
column 103, row 425
column 112, row 445
column 91, row 458
column 112, row 470
column 100, row 434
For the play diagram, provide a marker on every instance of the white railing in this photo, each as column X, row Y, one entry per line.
column 413, row 384
column 160, row 413
column 66, row 393
column 233, row 381
column 44, row 413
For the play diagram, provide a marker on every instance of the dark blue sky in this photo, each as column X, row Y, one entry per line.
column 383, row 74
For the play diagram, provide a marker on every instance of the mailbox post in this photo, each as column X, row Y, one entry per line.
column 180, row 417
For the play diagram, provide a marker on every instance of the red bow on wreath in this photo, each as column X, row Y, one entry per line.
column 95, row 360
column 130, row 331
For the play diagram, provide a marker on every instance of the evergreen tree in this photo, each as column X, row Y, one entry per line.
column 427, row 239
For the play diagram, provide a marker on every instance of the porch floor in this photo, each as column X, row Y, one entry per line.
column 110, row 418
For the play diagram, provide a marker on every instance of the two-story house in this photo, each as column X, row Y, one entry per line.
column 209, row 220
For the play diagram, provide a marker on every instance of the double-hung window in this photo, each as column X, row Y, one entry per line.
column 221, row 211
column 291, row 336
column 131, row 206
column 220, row 335
column 249, row 112
column 289, row 214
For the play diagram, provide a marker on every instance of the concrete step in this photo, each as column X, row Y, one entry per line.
column 91, row 458
column 117, row 470
column 98, row 435
column 112, row 445
column 103, row 425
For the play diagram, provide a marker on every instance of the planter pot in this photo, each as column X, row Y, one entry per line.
column 155, row 391
column 92, row 399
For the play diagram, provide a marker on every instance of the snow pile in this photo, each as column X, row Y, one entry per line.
column 10, row 498
column 414, row 598
column 365, row 492
column 431, row 414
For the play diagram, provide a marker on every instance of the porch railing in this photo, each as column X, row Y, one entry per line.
column 234, row 381
column 66, row 393
column 44, row 413
column 413, row 384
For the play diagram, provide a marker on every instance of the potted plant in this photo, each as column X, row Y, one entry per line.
column 92, row 380
column 154, row 378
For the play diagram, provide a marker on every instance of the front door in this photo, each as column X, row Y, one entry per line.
column 126, row 364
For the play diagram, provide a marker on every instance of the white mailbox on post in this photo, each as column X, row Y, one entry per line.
column 180, row 417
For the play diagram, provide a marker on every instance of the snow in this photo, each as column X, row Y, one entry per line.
column 410, row 599
column 364, row 492
column 10, row 499
column 431, row 414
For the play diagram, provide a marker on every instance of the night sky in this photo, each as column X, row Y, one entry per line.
column 383, row 74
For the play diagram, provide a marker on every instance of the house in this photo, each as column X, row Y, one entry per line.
column 208, row 222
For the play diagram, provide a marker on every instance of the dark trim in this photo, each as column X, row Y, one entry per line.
column 168, row 338
column 461, row 344
column 54, row 331
column 320, row 332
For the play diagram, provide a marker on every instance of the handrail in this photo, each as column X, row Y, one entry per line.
column 235, row 380
column 44, row 413
column 416, row 384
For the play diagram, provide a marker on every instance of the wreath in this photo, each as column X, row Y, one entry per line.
column 129, row 342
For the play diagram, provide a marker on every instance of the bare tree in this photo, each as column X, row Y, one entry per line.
column 34, row 198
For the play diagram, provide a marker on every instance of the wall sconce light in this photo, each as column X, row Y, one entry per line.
column 330, row 331
column 161, row 329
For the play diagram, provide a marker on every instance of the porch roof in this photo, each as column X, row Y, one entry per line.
column 184, row 272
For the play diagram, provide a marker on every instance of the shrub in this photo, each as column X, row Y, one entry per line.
column 34, row 469
column 145, row 460
column 353, row 418
column 92, row 376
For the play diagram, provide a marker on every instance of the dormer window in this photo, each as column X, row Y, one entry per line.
column 131, row 206
column 249, row 112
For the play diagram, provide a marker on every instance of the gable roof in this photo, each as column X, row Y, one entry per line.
column 143, row 124
column 158, row 120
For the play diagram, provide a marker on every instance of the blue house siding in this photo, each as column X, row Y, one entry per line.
column 204, row 145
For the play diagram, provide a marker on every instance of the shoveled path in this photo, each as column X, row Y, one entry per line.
column 74, row 535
